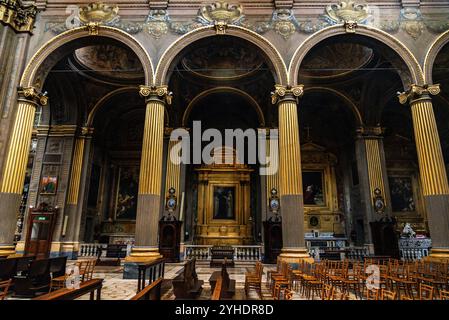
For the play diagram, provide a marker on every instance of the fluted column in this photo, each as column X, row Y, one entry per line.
column 372, row 174
column 431, row 165
column 150, row 184
column 290, row 178
column 14, row 170
column 73, row 212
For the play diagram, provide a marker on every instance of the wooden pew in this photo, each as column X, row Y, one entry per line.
column 227, row 285
column 89, row 286
column 217, row 291
column 186, row 285
column 37, row 279
column 150, row 292
column 114, row 252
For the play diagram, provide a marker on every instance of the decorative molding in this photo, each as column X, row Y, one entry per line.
column 416, row 92
column 17, row 15
column 99, row 13
column 370, row 132
column 281, row 92
column 347, row 11
column 220, row 27
column 157, row 23
column 33, row 95
column 160, row 92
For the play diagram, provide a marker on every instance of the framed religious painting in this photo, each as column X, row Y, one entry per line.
column 224, row 202
column 401, row 193
column 49, row 184
column 127, row 191
column 313, row 187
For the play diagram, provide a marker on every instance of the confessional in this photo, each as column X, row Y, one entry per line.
column 170, row 239
column 40, row 229
column 272, row 240
column 385, row 238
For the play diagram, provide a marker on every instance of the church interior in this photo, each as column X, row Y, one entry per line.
column 114, row 185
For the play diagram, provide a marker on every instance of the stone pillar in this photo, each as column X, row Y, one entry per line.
column 432, row 170
column 372, row 174
column 290, row 177
column 15, row 165
column 149, row 197
column 72, row 212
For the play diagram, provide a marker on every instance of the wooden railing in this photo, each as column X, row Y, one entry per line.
column 155, row 270
column 241, row 252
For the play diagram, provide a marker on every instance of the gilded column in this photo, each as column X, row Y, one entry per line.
column 431, row 165
column 72, row 214
column 372, row 173
column 150, row 178
column 15, row 164
column 290, row 178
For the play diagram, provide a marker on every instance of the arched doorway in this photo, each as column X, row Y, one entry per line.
column 221, row 83
column 357, row 76
column 78, row 70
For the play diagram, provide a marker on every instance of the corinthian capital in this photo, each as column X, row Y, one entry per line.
column 281, row 92
column 31, row 94
column 158, row 92
column 416, row 92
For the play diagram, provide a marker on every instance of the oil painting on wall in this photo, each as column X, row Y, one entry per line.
column 401, row 191
column 224, row 198
column 126, row 205
column 313, row 187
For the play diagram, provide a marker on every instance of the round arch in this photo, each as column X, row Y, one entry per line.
column 352, row 107
column 241, row 93
column 274, row 57
column 432, row 53
column 30, row 75
column 397, row 46
column 103, row 101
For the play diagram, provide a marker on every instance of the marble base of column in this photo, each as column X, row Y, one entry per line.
column 9, row 208
column 438, row 217
column 292, row 212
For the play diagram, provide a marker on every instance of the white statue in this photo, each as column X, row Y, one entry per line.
column 408, row 231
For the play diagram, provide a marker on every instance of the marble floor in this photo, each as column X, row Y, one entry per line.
column 117, row 288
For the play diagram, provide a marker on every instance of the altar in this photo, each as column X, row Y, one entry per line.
column 224, row 203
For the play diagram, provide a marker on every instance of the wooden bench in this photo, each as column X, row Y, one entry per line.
column 186, row 285
column 89, row 286
column 221, row 254
column 150, row 292
column 227, row 285
column 11, row 267
column 114, row 252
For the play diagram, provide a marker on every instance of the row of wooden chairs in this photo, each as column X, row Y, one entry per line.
column 402, row 278
column 253, row 280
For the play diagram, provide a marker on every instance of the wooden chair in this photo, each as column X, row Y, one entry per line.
column 373, row 294
column 387, row 294
column 404, row 281
column 270, row 272
column 327, row 292
column 4, row 287
column 253, row 280
column 425, row 292
column 444, row 295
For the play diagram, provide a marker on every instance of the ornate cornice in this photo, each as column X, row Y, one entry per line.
column 417, row 92
column 20, row 17
column 32, row 95
column 156, row 92
column 286, row 92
